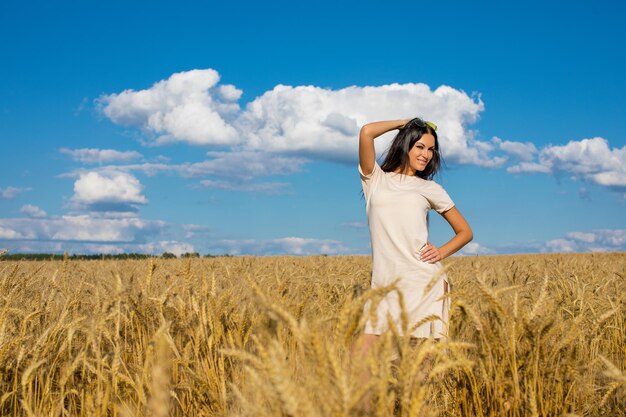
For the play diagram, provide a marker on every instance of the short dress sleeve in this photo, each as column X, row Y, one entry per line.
column 439, row 199
column 370, row 182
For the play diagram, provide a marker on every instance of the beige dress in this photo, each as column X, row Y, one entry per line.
column 397, row 206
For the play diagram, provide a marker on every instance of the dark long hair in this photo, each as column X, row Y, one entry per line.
column 397, row 156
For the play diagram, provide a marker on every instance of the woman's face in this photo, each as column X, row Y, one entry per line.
column 422, row 152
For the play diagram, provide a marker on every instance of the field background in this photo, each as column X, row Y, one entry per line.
column 531, row 335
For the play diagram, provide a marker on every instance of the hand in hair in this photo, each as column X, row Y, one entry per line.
column 369, row 132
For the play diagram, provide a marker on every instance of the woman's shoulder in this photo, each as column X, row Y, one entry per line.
column 434, row 183
column 376, row 171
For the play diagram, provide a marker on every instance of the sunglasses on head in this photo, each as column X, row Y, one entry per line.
column 421, row 123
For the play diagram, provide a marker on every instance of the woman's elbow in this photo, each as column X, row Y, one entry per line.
column 365, row 130
column 466, row 234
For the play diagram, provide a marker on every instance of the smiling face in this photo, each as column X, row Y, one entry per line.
column 414, row 151
column 421, row 153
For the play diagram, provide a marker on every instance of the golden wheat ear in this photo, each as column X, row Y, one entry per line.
column 528, row 335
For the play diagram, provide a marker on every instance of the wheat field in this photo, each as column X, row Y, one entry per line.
column 530, row 335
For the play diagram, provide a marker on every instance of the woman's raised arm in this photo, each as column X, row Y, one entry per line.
column 369, row 132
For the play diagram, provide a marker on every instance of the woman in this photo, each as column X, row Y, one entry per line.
column 398, row 196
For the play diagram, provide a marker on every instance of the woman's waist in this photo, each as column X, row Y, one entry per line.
column 390, row 267
column 404, row 250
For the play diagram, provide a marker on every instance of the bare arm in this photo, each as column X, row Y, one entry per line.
column 369, row 132
column 463, row 235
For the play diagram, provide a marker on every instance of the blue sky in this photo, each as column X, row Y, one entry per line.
column 232, row 128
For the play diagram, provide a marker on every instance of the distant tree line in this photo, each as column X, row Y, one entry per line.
column 101, row 256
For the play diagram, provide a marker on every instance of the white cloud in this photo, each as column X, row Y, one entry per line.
column 157, row 248
column 474, row 248
column 92, row 233
column 72, row 247
column 237, row 165
column 83, row 228
column 108, row 191
column 9, row 193
column 582, row 236
column 230, row 92
column 528, row 167
column 483, row 147
column 310, row 121
column 33, row 211
column 188, row 107
column 560, row 245
column 600, row 240
column 100, row 156
column 87, row 234
column 589, row 160
column 257, row 187
column 604, row 237
column 324, row 123
column 89, row 248
column 244, row 165
column 586, row 157
column 282, row 246
column 9, row 234
column 524, row 151
column 615, row 178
